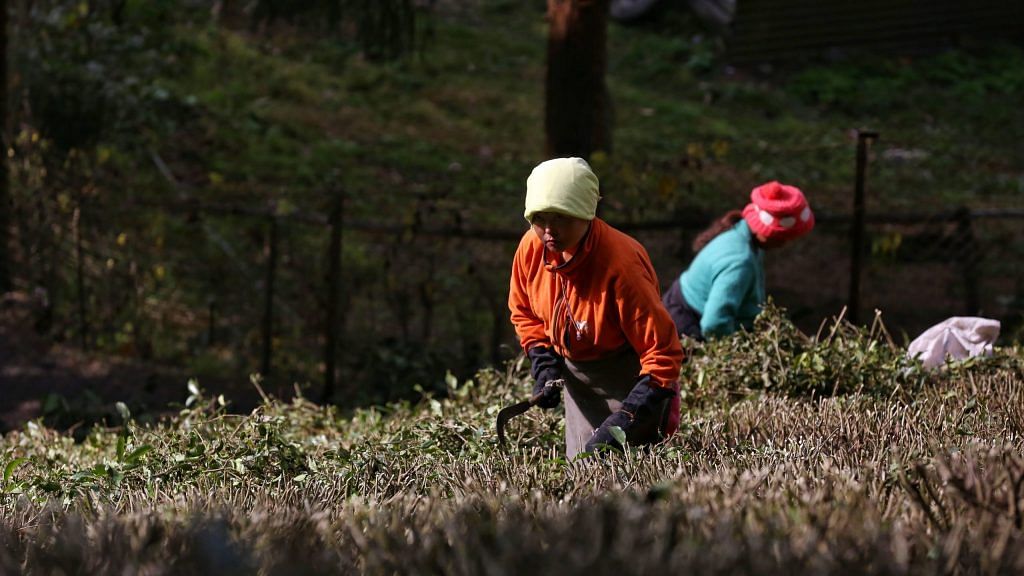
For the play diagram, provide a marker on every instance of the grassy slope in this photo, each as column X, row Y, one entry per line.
column 472, row 98
column 385, row 132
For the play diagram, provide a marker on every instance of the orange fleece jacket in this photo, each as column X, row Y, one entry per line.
column 613, row 301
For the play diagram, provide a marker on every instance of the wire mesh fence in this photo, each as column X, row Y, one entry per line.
column 420, row 301
column 366, row 305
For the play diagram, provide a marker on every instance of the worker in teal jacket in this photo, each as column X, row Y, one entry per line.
column 723, row 289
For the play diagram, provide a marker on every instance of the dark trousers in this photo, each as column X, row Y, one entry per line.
column 686, row 318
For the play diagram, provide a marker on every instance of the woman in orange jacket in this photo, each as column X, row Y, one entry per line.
column 586, row 305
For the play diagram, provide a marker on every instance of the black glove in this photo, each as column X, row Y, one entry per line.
column 640, row 405
column 546, row 366
column 603, row 436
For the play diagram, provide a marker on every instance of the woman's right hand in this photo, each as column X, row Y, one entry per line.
column 546, row 368
column 548, row 394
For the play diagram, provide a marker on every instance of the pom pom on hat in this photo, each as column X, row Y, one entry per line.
column 563, row 185
column 778, row 212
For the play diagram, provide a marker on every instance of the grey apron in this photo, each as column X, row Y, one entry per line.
column 593, row 390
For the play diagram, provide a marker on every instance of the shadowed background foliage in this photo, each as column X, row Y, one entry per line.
column 175, row 170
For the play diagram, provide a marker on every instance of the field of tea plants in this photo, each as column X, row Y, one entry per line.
column 824, row 454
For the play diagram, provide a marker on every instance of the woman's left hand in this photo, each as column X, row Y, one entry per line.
column 603, row 435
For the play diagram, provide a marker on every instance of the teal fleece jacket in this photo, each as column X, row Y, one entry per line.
column 725, row 282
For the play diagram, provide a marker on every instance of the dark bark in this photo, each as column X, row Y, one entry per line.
column 577, row 107
column 117, row 12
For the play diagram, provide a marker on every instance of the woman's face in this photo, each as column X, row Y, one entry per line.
column 557, row 231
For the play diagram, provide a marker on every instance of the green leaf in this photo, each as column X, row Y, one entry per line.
column 11, row 467
column 618, row 434
column 121, row 443
column 133, row 458
column 100, row 471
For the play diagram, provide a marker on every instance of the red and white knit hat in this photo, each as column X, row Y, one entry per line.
column 778, row 212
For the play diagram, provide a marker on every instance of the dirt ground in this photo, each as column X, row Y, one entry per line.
column 71, row 388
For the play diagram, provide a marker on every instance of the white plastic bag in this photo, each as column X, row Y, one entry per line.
column 957, row 338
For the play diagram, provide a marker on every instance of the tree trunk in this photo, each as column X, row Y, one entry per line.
column 577, row 106
column 5, row 194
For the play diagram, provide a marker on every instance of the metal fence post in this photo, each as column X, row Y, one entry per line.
column 968, row 259
column 211, row 321
column 333, row 280
column 857, row 227
column 268, row 304
column 83, row 318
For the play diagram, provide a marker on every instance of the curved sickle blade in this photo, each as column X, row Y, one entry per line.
column 510, row 412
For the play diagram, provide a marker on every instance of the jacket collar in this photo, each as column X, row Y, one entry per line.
column 553, row 263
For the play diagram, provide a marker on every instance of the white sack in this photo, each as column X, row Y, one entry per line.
column 957, row 338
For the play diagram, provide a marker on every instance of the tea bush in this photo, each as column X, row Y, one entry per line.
column 827, row 454
column 841, row 359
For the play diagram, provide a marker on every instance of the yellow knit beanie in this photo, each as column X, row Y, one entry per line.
column 564, row 185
